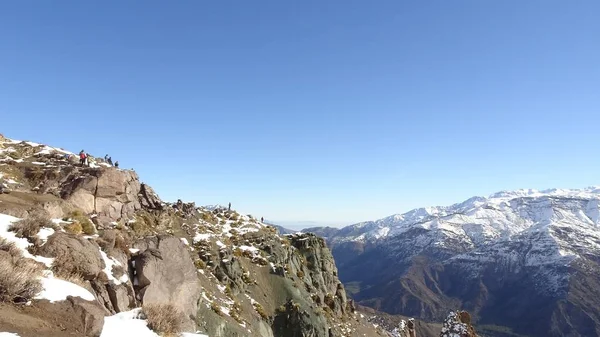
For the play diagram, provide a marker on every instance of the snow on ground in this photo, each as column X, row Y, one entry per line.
column 53, row 289
column 58, row 290
column 248, row 248
column 129, row 323
column 44, row 234
column 8, row 334
column 109, row 262
column 202, row 237
column 126, row 323
column 185, row 241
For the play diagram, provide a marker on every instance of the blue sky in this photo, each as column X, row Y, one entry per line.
column 330, row 111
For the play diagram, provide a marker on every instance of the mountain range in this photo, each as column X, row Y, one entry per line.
column 525, row 262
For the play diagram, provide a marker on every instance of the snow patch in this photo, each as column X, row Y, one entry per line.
column 58, row 290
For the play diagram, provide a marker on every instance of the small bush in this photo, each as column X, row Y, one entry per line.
column 86, row 224
column 19, row 277
column 73, row 228
column 260, row 310
column 31, row 225
column 235, row 311
column 72, row 277
column 215, row 307
column 300, row 274
column 163, row 318
column 329, row 301
column 9, row 247
column 200, row 264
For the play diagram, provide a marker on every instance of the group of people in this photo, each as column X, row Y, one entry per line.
column 84, row 159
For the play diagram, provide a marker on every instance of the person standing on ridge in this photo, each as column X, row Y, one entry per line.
column 109, row 161
column 82, row 158
column 262, row 219
column 106, row 158
column 230, row 206
column 117, row 164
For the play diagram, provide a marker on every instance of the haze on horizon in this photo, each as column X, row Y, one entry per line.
column 335, row 112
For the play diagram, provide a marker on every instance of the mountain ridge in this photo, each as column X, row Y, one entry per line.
column 476, row 254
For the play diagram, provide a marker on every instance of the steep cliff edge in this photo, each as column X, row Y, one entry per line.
column 224, row 273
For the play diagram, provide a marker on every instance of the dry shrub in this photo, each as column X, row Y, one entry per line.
column 31, row 225
column 163, row 318
column 215, row 307
column 84, row 222
column 260, row 310
column 73, row 228
column 19, row 276
column 72, row 277
column 64, row 267
column 9, row 247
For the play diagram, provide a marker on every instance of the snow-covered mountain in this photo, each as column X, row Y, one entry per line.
column 478, row 253
column 481, row 220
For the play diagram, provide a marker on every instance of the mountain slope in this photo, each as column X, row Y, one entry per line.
column 511, row 259
column 121, row 251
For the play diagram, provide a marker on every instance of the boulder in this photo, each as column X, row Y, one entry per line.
column 75, row 254
column 90, row 313
column 165, row 273
column 149, row 198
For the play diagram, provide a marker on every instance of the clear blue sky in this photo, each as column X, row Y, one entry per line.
column 334, row 111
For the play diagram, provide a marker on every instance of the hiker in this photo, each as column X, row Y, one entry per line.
column 230, row 206
column 87, row 159
column 262, row 219
column 106, row 158
column 117, row 164
column 82, row 158
column 109, row 160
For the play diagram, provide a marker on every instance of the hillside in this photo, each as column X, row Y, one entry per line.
column 93, row 251
column 523, row 261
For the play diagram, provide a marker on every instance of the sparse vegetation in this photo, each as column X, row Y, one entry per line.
column 163, row 319
column 236, row 310
column 300, row 274
column 9, row 247
column 73, row 228
column 260, row 310
column 329, row 301
column 19, row 276
column 80, row 223
column 215, row 307
column 200, row 264
column 246, row 278
column 31, row 225
column 238, row 252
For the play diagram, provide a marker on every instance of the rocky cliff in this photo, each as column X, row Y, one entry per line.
column 102, row 232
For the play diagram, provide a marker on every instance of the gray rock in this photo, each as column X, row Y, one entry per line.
column 90, row 313
column 167, row 277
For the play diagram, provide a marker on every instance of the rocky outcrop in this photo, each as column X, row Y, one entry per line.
column 458, row 324
column 111, row 193
column 294, row 320
column 165, row 273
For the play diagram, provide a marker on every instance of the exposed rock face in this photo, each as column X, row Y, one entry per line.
column 296, row 321
column 112, row 193
column 166, row 273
